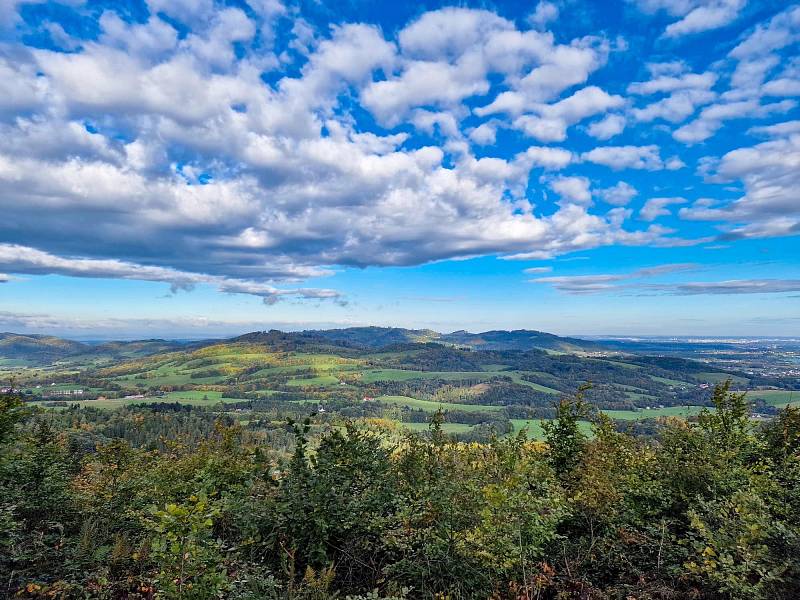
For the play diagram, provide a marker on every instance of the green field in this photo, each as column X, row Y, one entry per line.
column 12, row 363
column 535, row 431
column 779, row 398
column 373, row 375
column 667, row 381
column 194, row 398
column 321, row 381
column 711, row 377
column 429, row 406
column 650, row 413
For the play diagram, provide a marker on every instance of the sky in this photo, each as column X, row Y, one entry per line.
column 192, row 168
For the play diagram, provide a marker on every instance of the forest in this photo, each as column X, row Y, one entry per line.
column 180, row 502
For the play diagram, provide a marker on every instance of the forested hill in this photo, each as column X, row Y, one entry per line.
column 40, row 349
column 520, row 339
column 43, row 349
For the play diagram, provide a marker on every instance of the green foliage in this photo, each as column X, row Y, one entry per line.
column 708, row 510
column 12, row 411
column 565, row 440
column 183, row 546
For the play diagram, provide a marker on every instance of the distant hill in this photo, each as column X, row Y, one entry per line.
column 41, row 349
column 376, row 337
column 520, row 339
column 38, row 348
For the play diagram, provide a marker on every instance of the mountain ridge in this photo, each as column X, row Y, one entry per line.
column 41, row 348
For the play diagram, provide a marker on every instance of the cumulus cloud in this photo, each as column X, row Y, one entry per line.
column 708, row 15
column 574, row 189
column 618, row 195
column 205, row 153
column 657, row 207
column 22, row 259
column 607, row 128
column 771, row 177
column 549, row 122
column 626, row 157
column 712, row 118
column 544, row 13
column 778, row 129
column 696, row 15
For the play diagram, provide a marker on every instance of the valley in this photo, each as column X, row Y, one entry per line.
column 482, row 383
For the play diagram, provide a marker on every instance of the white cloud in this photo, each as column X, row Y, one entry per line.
column 23, row 259
column 778, row 129
column 574, row 189
column 697, row 15
column 712, row 14
column 783, row 86
column 771, row 178
column 657, row 207
column 547, row 157
column 600, row 283
column 671, row 82
column 712, row 118
column 544, row 13
column 212, row 157
column 549, row 122
column 734, row 286
column 782, row 30
column 618, row 195
column 626, row 157
column 449, row 32
column 484, row 135
column 676, row 107
column 607, row 128
column 686, row 91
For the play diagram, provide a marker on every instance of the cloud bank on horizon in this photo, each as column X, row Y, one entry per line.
column 253, row 145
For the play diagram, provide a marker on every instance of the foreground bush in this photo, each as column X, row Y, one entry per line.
column 709, row 510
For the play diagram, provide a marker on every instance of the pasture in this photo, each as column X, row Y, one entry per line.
column 429, row 406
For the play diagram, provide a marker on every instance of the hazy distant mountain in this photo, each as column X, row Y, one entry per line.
column 520, row 339
column 48, row 348
column 44, row 349
column 38, row 348
column 377, row 337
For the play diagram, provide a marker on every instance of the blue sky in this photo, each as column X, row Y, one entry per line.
column 190, row 167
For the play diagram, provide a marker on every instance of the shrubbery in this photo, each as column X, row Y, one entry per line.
column 706, row 510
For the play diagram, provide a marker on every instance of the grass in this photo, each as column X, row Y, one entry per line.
column 535, row 431
column 667, row 381
column 193, row 397
column 321, row 380
column 641, row 397
column 650, row 413
column 516, row 377
column 429, row 406
column 779, row 398
column 712, row 377
column 373, row 375
column 14, row 363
